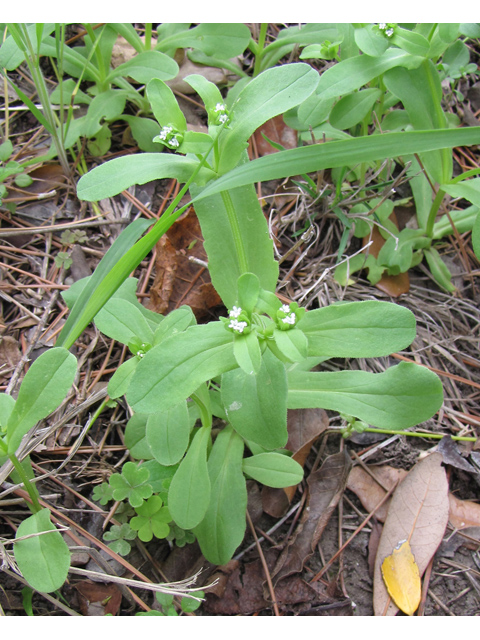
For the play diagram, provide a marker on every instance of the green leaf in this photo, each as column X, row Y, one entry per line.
column 223, row 527
column 366, row 329
column 145, row 66
column 100, row 287
column 189, row 492
column 476, row 236
column 339, row 153
column 165, row 106
column 292, row 344
column 468, row 189
column 7, row 403
column 273, row 469
column 248, row 291
column 6, row 150
column 119, row 174
column 173, row 370
column 421, row 94
column 43, row 559
column 120, row 381
column 401, row 397
column 168, row 434
column 135, row 438
column 123, row 321
column 272, row 92
column 353, row 73
column 439, row 269
column 108, row 105
column 177, row 321
column 220, row 241
column 43, row 388
column 247, row 352
column 132, row 483
column 225, row 40
column 410, row 41
column 256, row 405
column 370, row 41
column 352, row 109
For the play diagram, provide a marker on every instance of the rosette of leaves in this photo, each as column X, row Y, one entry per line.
column 151, row 520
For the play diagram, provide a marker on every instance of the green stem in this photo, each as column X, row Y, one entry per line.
column 35, row 507
column 415, row 434
column 148, row 36
column 260, row 49
column 433, row 212
column 235, row 227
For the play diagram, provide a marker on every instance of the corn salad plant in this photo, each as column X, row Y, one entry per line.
column 245, row 369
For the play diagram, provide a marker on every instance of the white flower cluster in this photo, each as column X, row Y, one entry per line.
column 291, row 317
column 221, row 109
column 164, row 135
column 383, row 27
column 235, row 324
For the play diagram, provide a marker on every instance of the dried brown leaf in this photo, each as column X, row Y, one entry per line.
column 418, row 513
column 325, row 488
column 369, row 491
column 10, row 355
column 277, row 131
column 97, row 599
column 463, row 513
column 179, row 281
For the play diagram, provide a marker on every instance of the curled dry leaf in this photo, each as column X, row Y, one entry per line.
column 418, row 513
column 325, row 488
column 463, row 513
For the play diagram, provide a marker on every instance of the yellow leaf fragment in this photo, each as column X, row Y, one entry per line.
column 402, row 578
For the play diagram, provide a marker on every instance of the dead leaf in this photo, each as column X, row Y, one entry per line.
column 240, row 591
column 277, row 131
column 453, row 457
column 418, row 513
column 370, row 492
column 325, row 488
column 10, row 355
column 401, row 577
column 304, row 427
column 463, row 513
column 96, row 599
column 179, row 281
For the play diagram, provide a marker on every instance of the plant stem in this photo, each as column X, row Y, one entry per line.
column 235, row 227
column 433, row 212
column 35, row 507
column 415, row 434
column 260, row 49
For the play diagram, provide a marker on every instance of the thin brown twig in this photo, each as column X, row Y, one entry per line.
column 265, row 567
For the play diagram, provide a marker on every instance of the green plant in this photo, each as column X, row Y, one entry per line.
column 11, row 168
column 388, row 78
column 110, row 89
column 40, row 551
column 249, row 367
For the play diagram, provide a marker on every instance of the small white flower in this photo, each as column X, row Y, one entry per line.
column 291, row 319
column 223, row 118
column 220, row 107
column 389, row 32
column 174, row 142
column 237, row 326
column 164, row 132
column 285, row 308
column 235, row 312
column 382, row 25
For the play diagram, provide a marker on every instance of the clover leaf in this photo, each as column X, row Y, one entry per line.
column 151, row 520
column 103, row 493
column 132, row 484
column 118, row 535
